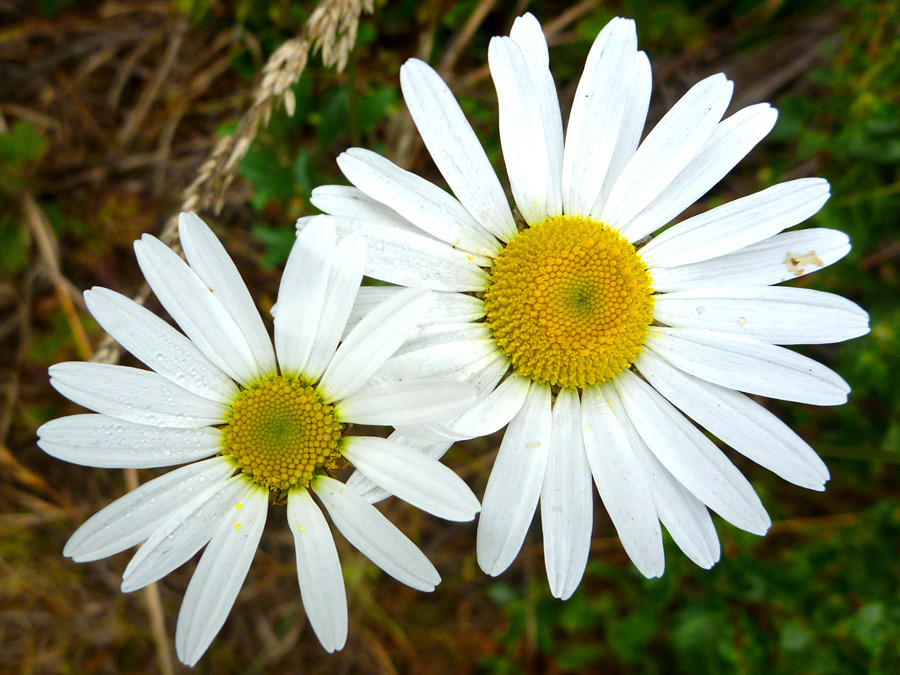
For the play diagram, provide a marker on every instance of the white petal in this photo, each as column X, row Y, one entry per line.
column 738, row 223
column 219, row 576
column 158, row 345
column 110, row 443
column 732, row 139
column 455, row 148
column 771, row 261
column 749, row 365
column 420, row 202
column 429, row 336
column 668, row 148
column 447, row 308
column 318, row 571
column 209, row 260
column 620, row 480
column 132, row 518
column 301, row 296
column 409, row 402
column 629, row 136
column 372, row 342
column 343, row 284
column 685, row 516
column 495, row 410
column 412, row 476
column 527, row 34
column 374, row 535
column 196, row 310
column 184, row 533
column 369, row 490
column 784, row 316
column 133, row 395
column 597, row 113
column 738, row 421
column 514, row 486
column 350, row 202
column 690, row 456
column 408, row 259
column 521, row 129
column 459, row 360
column 567, row 512
column 488, row 377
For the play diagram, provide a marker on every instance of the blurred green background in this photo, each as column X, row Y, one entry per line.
column 107, row 112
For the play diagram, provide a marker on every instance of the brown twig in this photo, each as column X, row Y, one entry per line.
column 49, row 253
column 136, row 118
column 462, row 39
column 154, row 604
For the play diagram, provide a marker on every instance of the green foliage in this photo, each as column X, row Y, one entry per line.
column 826, row 602
column 21, row 143
column 51, row 7
column 13, row 248
column 851, row 126
column 292, row 155
column 19, row 147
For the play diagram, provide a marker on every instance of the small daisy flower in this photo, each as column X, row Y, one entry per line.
column 253, row 424
column 592, row 339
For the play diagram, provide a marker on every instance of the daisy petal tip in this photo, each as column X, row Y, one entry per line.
column 413, row 73
column 627, row 25
column 125, row 586
column 561, row 593
column 706, row 563
column 75, row 550
column 413, row 64
column 651, row 569
column 488, row 561
column 188, row 220
column 189, row 654
column 470, row 510
column 527, row 20
column 761, row 525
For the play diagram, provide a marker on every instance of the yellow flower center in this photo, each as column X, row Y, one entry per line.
column 569, row 302
column 279, row 432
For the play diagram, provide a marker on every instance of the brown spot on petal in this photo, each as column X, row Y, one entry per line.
column 798, row 262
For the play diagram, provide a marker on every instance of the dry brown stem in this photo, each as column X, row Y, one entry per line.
column 331, row 30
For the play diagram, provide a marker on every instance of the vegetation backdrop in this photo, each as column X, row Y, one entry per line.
column 116, row 114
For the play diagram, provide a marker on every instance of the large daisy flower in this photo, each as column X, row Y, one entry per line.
column 594, row 340
column 253, row 424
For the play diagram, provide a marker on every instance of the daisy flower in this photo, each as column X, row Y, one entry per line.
column 593, row 339
column 253, row 424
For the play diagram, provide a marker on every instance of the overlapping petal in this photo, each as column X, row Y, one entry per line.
column 567, row 508
column 219, row 576
column 318, row 571
column 513, row 489
column 375, row 537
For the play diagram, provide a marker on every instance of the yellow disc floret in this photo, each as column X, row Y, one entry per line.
column 279, row 431
column 569, row 302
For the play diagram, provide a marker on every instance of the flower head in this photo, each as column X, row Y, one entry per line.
column 254, row 424
column 592, row 339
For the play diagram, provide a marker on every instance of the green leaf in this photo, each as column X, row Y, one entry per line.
column 21, row 143
column 277, row 242
column 269, row 178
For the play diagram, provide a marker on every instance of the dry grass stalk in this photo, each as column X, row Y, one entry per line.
column 331, row 29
